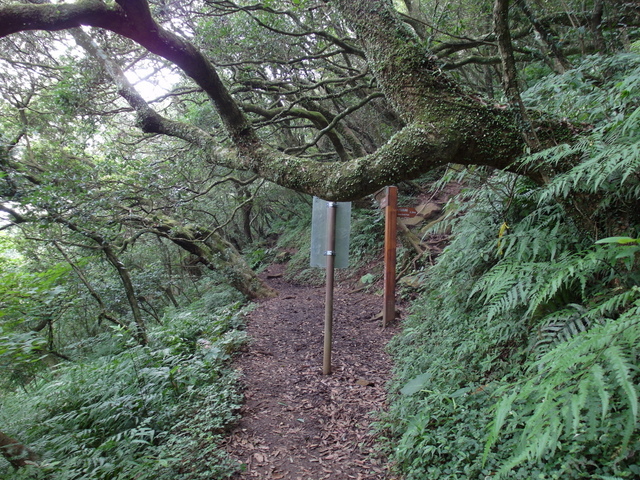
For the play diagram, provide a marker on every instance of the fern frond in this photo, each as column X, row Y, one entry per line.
column 616, row 303
column 571, row 270
column 582, row 387
column 618, row 362
column 562, row 326
column 502, row 410
column 598, row 374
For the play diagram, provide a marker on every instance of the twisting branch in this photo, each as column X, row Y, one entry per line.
column 151, row 121
column 546, row 35
column 107, row 248
column 240, row 206
column 345, row 45
column 331, row 125
column 17, row 217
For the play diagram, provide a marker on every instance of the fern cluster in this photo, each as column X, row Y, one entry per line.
column 520, row 360
column 577, row 407
column 154, row 412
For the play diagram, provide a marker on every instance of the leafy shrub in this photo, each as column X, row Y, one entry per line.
column 520, row 359
column 139, row 412
column 367, row 231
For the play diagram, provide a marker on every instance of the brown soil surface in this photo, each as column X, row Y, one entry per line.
column 298, row 424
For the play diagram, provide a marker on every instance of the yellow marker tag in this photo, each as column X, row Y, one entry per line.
column 502, row 231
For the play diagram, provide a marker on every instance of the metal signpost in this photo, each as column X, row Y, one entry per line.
column 330, row 230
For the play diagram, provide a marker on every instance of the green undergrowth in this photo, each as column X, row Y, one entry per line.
column 146, row 412
column 520, row 358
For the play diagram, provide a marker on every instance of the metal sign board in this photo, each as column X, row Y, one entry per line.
column 390, row 230
column 319, row 234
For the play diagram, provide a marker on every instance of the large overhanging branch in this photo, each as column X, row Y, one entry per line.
column 415, row 149
column 444, row 123
column 16, row 217
column 131, row 19
column 231, row 7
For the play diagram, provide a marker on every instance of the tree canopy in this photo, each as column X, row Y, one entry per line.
column 117, row 115
column 290, row 115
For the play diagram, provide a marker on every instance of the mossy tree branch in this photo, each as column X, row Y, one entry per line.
column 444, row 124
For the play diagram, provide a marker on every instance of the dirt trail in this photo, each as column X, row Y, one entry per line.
column 296, row 423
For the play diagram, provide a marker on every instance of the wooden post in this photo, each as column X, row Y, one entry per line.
column 390, row 230
column 328, row 307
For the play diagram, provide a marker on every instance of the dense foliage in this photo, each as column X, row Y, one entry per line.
column 129, row 411
column 520, row 358
column 114, row 409
column 142, row 152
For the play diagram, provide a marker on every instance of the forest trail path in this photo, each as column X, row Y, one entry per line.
column 298, row 424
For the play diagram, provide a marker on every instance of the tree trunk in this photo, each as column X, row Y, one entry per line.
column 140, row 331
column 509, row 72
column 596, row 26
column 104, row 313
column 17, row 454
column 245, row 212
column 560, row 62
